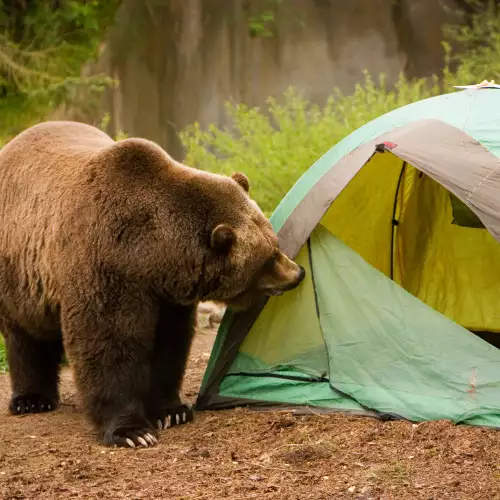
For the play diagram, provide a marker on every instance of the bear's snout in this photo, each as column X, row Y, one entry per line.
column 301, row 274
column 287, row 275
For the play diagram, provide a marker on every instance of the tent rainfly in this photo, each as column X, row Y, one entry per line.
column 398, row 228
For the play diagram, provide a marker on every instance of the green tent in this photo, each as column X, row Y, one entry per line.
column 397, row 227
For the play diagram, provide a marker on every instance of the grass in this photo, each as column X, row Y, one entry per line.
column 3, row 356
column 395, row 473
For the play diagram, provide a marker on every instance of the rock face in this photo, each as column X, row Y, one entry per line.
column 179, row 60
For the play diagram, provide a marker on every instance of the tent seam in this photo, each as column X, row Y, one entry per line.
column 480, row 183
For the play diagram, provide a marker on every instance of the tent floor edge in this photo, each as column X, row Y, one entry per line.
column 219, row 403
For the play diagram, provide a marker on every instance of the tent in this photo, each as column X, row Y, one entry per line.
column 398, row 228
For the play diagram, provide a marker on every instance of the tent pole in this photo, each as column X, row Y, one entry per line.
column 394, row 221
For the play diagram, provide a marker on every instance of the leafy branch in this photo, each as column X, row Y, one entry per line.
column 43, row 46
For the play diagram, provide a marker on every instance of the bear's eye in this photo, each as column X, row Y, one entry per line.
column 270, row 261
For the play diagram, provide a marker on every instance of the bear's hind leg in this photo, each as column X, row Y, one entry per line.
column 34, row 372
column 173, row 339
column 109, row 343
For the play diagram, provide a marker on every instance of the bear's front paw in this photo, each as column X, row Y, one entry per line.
column 174, row 415
column 131, row 438
column 31, row 403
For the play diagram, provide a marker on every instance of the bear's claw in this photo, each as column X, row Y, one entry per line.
column 31, row 403
column 175, row 415
column 134, row 438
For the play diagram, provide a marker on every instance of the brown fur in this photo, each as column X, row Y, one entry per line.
column 108, row 247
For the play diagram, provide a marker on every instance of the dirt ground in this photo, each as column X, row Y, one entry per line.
column 240, row 454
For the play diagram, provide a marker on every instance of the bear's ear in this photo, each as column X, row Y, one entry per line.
column 223, row 237
column 242, row 180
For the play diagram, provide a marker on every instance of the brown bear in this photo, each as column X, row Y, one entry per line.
column 106, row 249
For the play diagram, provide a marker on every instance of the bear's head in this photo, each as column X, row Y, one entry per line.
column 199, row 235
column 245, row 261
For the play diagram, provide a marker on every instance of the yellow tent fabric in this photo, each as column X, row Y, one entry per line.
column 453, row 269
column 295, row 318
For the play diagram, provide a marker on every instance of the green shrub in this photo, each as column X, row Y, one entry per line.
column 3, row 356
column 478, row 40
column 43, row 47
column 275, row 146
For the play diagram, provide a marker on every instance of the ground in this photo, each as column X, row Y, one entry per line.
column 240, row 454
